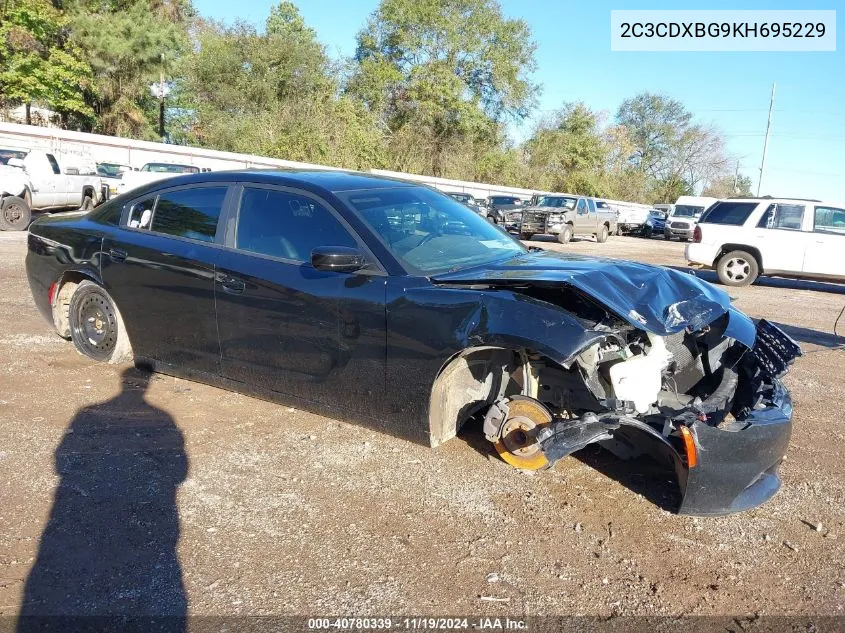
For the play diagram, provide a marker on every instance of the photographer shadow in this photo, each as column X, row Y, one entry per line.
column 109, row 547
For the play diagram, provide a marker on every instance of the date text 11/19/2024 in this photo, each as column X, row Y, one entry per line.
column 416, row 624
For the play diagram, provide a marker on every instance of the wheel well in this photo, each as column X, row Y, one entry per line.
column 66, row 285
column 88, row 190
column 469, row 381
column 751, row 250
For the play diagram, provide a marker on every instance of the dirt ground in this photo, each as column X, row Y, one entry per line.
column 186, row 498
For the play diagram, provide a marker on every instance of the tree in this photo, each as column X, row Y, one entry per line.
column 441, row 75
column 128, row 45
column 567, row 152
column 274, row 93
column 728, row 186
column 676, row 155
column 39, row 65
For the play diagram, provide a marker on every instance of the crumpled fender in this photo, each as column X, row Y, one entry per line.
column 509, row 319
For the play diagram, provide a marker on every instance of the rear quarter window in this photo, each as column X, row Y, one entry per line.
column 731, row 213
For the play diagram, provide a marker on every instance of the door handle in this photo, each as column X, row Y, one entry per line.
column 117, row 255
column 232, row 286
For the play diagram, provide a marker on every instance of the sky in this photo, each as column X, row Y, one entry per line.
column 728, row 90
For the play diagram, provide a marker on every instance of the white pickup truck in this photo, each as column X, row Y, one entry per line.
column 33, row 181
column 152, row 172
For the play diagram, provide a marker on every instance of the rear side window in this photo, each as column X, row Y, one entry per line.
column 189, row 213
column 733, row 213
column 287, row 225
column 829, row 220
column 782, row 216
column 53, row 164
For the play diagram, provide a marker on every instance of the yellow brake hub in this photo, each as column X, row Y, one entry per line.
column 518, row 445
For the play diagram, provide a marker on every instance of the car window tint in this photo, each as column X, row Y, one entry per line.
column 582, row 206
column 727, row 212
column 592, row 205
column 829, row 220
column 782, row 216
column 287, row 225
column 190, row 213
column 53, row 164
column 141, row 214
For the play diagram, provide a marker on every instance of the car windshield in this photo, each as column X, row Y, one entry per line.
column 430, row 233
column 109, row 170
column 504, row 200
column 461, row 197
column 556, row 201
column 167, row 168
column 6, row 154
column 687, row 211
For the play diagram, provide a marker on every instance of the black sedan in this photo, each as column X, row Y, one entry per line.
column 388, row 303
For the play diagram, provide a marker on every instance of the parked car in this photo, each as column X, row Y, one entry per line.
column 655, row 224
column 631, row 219
column 683, row 218
column 34, row 181
column 388, row 303
column 498, row 206
column 152, row 172
column 565, row 216
column 744, row 238
column 468, row 200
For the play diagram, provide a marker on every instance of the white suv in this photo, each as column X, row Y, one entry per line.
column 742, row 238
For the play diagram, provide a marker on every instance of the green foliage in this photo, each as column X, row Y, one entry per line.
column 128, row 46
column 568, row 153
column 441, row 75
column 274, row 94
column 728, row 186
column 39, row 65
column 674, row 154
column 431, row 89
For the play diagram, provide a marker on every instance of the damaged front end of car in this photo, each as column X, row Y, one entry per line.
column 701, row 388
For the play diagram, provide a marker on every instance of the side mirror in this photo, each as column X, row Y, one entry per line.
column 16, row 162
column 72, row 171
column 339, row 259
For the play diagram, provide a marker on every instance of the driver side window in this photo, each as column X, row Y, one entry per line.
column 287, row 225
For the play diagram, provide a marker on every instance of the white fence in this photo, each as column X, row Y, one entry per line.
column 82, row 150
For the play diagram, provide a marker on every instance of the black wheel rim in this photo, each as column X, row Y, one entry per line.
column 96, row 325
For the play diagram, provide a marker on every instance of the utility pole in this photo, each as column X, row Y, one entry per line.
column 736, row 179
column 161, row 102
column 766, row 142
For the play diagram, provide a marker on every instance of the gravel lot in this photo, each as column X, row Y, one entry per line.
column 189, row 498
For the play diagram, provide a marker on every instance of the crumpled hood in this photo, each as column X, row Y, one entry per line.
column 660, row 300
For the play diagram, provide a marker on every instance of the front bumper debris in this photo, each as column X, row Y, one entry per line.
column 735, row 464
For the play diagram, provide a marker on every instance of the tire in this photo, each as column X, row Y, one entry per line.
column 96, row 327
column 15, row 214
column 737, row 268
column 492, row 219
column 526, row 236
column 87, row 203
column 617, row 232
column 601, row 236
column 565, row 236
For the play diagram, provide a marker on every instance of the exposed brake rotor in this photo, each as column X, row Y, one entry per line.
column 517, row 444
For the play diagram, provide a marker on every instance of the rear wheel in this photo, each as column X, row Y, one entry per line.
column 96, row 327
column 601, row 236
column 526, row 236
column 565, row 234
column 15, row 214
column 87, row 203
column 737, row 268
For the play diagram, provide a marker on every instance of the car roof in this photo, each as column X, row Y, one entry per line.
column 314, row 180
